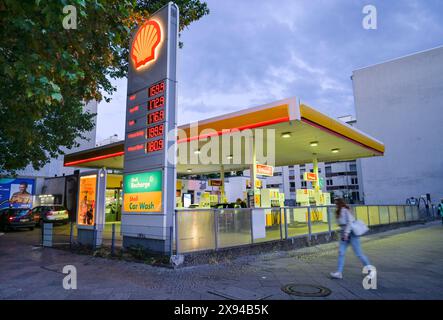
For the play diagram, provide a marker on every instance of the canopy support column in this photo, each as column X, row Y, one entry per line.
column 253, row 170
column 316, row 183
column 222, row 179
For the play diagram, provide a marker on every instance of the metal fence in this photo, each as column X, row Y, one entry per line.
column 108, row 235
column 213, row 229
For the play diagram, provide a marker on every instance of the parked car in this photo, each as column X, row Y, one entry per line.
column 50, row 214
column 15, row 218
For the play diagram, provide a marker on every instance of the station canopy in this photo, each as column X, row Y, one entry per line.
column 301, row 134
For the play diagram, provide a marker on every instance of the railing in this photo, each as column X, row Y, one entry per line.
column 213, row 229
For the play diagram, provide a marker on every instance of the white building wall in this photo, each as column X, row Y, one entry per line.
column 400, row 102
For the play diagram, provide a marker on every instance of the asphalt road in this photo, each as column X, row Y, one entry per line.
column 409, row 265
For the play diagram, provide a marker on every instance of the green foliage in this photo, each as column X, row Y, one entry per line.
column 47, row 73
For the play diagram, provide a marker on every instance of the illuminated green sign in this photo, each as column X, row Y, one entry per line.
column 143, row 182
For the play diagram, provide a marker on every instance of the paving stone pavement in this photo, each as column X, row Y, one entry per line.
column 409, row 265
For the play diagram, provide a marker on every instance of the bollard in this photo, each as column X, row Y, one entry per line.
column 171, row 241
column 113, row 240
column 71, row 235
column 309, row 224
column 94, row 239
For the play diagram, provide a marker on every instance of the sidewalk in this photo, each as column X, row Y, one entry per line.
column 409, row 264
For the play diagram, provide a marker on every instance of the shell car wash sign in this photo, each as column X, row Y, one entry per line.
column 143, row 192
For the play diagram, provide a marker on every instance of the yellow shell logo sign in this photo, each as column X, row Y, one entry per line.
column 146, row 40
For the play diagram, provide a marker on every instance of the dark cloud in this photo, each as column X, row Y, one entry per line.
column 249, row 52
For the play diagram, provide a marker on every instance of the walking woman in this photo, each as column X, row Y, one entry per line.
column 344, row 220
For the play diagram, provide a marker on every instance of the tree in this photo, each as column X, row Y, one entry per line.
column 48, row 73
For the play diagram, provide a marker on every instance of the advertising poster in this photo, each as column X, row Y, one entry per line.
column 16, row 193
column 86, row 196
column 143, row 192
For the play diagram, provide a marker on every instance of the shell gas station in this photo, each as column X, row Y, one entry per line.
column 301, row 135
column 163, row 203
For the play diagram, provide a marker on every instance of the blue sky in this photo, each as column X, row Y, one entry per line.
column 250, row 52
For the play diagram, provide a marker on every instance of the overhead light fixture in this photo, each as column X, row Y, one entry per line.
column 313, row 143
column 286, row 135
column 197, row 151
column 230, row 157
column 189, row 170
column 335, row 150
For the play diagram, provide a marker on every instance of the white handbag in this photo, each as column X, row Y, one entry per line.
column 359, row 228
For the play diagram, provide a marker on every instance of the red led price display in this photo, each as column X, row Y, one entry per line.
column 154, row 146
column 156, row 89
column 156, row 116
column 156, row 103
column 155, row 131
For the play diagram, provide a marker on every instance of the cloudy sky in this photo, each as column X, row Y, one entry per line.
column 250, row 52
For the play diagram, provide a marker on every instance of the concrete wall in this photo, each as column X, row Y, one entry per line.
column 400, row 102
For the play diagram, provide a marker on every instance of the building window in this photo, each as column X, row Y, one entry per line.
column 303, row 184
column 354, row 181
column 328, row 170
column 353, row 167
column 292, row 184
column 329, row 182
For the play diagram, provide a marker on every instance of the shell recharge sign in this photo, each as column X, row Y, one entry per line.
column 149, row 179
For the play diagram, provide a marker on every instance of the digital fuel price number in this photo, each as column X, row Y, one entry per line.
column 155, row 131
column 156, row 103
column 154, row 146
column 155, row 117
column 156, row 89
